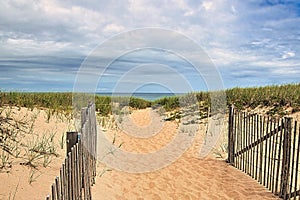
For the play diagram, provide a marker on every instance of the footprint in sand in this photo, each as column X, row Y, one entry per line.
column 151, row 185
column 148, row 186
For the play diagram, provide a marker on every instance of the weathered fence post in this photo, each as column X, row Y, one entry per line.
column 78, row 171
column 72, row 139
column 284, row 186
column 231, row 135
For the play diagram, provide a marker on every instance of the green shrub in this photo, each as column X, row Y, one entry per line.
column 168, row 103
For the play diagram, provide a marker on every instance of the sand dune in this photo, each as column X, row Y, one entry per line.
column 21, row 180
column 189, row 177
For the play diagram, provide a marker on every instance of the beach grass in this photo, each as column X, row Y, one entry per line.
column 275, row 96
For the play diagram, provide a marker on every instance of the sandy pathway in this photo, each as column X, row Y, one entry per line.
column 187, row 178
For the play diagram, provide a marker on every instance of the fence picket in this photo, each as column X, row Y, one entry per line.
column 266, row 150
column 293, row 156
column 245, row 142
column 241, row 141
column 62, row 182
column 261, row 150
column 285, row 159
column 57, row 188
column 279, row 167
column 250, row 142
column 253, row 148
column 276, row 124
column 257, row 147
column 297, row 161
column 53, row 192
column 269, row 168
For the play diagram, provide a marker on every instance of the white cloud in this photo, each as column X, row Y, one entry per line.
column 113, row 28
column 5, row 78
column 30, row 46
column 207, row 5
column 233, row 10
column 288, row 54
column 189, row 13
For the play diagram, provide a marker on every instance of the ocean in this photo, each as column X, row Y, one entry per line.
column 146, row 96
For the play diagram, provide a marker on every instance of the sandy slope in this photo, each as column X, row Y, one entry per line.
column 17, row 177
column 187, row 178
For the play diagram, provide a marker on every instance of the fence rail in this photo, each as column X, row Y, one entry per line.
column 78, row 171
column 267, row 149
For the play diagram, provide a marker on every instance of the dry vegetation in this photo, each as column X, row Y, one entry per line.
column 32, row 145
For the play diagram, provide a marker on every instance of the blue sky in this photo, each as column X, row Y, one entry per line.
column 43, row 43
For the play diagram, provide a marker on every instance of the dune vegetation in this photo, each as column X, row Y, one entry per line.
column 275, row 97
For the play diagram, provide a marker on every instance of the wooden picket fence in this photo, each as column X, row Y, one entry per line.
column 267, row 149
column 78, row 171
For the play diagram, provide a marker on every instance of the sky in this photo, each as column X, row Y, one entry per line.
column 43, row 43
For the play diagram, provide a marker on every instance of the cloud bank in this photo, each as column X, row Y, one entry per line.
column 43, row 43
